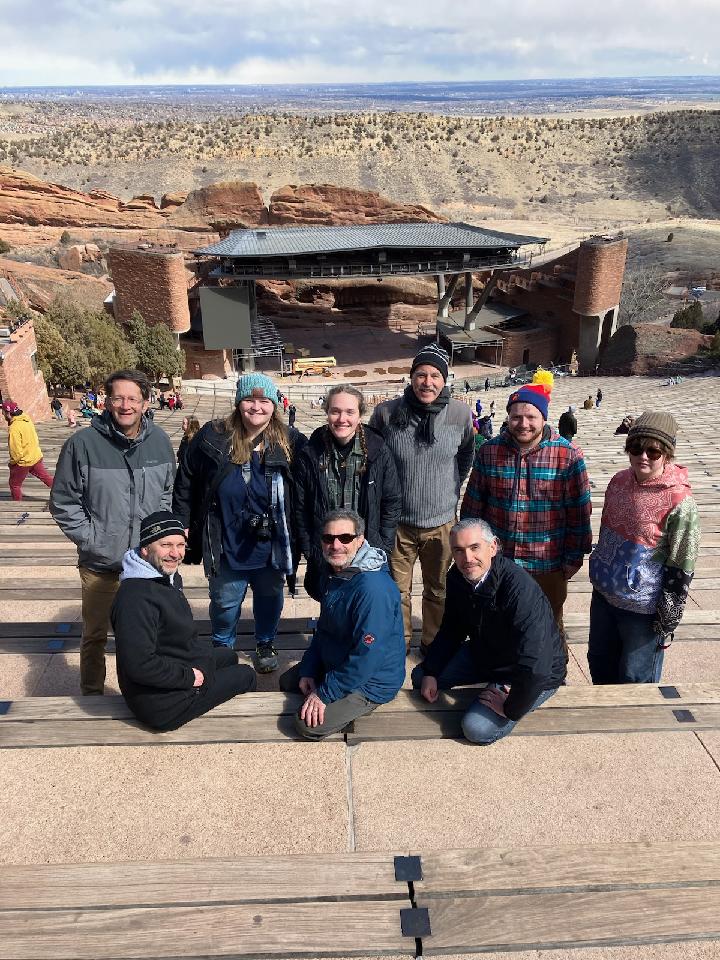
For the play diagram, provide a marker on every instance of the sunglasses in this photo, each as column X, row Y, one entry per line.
column 636, row 449
column 330, row 538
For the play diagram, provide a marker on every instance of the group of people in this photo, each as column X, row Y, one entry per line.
column 363, row 502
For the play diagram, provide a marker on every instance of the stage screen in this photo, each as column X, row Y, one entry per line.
column 226, row 316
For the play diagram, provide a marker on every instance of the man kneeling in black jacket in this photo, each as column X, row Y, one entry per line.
column 168, row 675
column 498, row 628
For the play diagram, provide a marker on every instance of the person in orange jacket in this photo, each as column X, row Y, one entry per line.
column 25, row 453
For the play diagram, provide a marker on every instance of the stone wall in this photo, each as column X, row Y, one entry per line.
column 599, row 278
column 155, row 282
column 18, row 379
column 202, row 364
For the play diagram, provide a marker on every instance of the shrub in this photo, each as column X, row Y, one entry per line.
column 5, row 246
column 689, row 318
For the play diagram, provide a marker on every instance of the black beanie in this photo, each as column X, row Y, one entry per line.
column 162, row 523
column 433, row 355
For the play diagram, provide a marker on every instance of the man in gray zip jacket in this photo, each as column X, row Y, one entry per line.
column 108, row 478
column 431, row 438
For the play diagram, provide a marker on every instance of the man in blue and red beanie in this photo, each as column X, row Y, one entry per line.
column 531, row 486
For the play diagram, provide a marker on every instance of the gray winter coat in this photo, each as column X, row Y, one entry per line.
column 106, row 484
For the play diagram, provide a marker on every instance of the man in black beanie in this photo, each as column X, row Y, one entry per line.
column 431, row 438
column 167, row 674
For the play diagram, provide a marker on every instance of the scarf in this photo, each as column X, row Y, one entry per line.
column 425, row 412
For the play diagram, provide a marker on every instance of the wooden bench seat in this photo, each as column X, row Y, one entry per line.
column 360, row 904
column 268, row 717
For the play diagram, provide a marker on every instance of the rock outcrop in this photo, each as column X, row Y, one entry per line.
column 225, row 206
column 40, row 285
column 172, row 200
column 25, row 199
column 73, row 257
column 649, row 348
column 318, row 204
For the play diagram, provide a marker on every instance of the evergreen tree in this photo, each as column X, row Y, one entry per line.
column 157, row 352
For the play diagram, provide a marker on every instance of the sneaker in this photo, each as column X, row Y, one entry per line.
column 266, row 658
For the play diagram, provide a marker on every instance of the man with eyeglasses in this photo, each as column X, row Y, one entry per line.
column 356, row 658
column 108, row 478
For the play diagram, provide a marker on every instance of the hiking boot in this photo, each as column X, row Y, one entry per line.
column 266, row 658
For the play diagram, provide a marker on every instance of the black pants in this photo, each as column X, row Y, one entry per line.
column 231, row 679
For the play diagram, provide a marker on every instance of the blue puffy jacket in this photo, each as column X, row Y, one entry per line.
column 359, row 643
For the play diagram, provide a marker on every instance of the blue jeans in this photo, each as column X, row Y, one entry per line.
column 227, row 592
column 480, row 724
column 623, row 645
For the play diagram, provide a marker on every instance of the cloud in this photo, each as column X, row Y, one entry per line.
column 187, row 41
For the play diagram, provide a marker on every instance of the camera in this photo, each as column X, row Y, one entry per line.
column 261, row 525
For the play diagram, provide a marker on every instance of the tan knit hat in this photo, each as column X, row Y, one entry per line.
column 659, row 426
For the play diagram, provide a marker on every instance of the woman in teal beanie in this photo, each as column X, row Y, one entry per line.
column 234, row 490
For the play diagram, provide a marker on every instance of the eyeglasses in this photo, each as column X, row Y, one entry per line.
column 636, row 450
column 124, row 401
column 330, row 538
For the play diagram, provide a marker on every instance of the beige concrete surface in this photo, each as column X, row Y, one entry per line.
column 710, row 739
column 534, row 791
column 20, row 674
column 62, row 676
column 89, row 804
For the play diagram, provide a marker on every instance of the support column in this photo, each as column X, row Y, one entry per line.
column 469, row 295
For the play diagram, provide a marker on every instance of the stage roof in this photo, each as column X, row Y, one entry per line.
column 303, row 241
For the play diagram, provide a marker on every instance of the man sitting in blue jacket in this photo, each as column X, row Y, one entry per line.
column 356, row 659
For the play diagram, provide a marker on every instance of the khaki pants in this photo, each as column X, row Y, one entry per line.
column 432, row 546
column 555, row 587
column 98, row 593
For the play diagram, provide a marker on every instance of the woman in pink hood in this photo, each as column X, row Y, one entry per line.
column 643, row 564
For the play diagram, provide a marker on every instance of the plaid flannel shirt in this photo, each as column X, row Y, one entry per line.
column 538, row 503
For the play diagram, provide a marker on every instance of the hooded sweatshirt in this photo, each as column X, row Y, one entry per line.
column 157, row 644
column 359, row 642
column 648, row 544
column 23, row 444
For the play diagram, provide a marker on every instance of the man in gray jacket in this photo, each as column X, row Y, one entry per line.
column 431, row 438
column 108, row 478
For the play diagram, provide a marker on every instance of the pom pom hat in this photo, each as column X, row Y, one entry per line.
column 537, row 393
column 255, row 385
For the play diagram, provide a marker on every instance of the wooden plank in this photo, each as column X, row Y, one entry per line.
column 292, row 625
column 208, row 729
column 560, row 868
column 428, row 725
column 81, row 709
column 359, row 928
column 344, row 876
column 578, row 919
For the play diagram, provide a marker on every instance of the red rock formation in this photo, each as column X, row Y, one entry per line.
column 27, row 199
column 172, row 200
column 647, row 348
column 40, row 285
column 235, row 204
column 327, row 204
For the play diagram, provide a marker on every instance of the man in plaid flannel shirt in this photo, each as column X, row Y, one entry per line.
column 532, row 487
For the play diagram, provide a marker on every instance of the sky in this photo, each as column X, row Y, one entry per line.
column 101, row 42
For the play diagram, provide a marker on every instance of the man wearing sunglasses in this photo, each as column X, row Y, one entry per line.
column 356, row 658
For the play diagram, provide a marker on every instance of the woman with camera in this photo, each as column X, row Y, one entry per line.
column 345, row 464
column 234, row 492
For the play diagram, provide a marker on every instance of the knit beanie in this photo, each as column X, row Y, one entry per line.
column 659, row 426
column 433, row 355
column 530, row 394
column 255, row 385
column 162, row 523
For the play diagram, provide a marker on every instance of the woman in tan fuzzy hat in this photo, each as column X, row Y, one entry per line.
column 643, row 564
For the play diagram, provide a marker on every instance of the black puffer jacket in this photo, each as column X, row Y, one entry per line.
column 379, row 501
column 157, row 646
column 206, row 455
column 512, row 634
